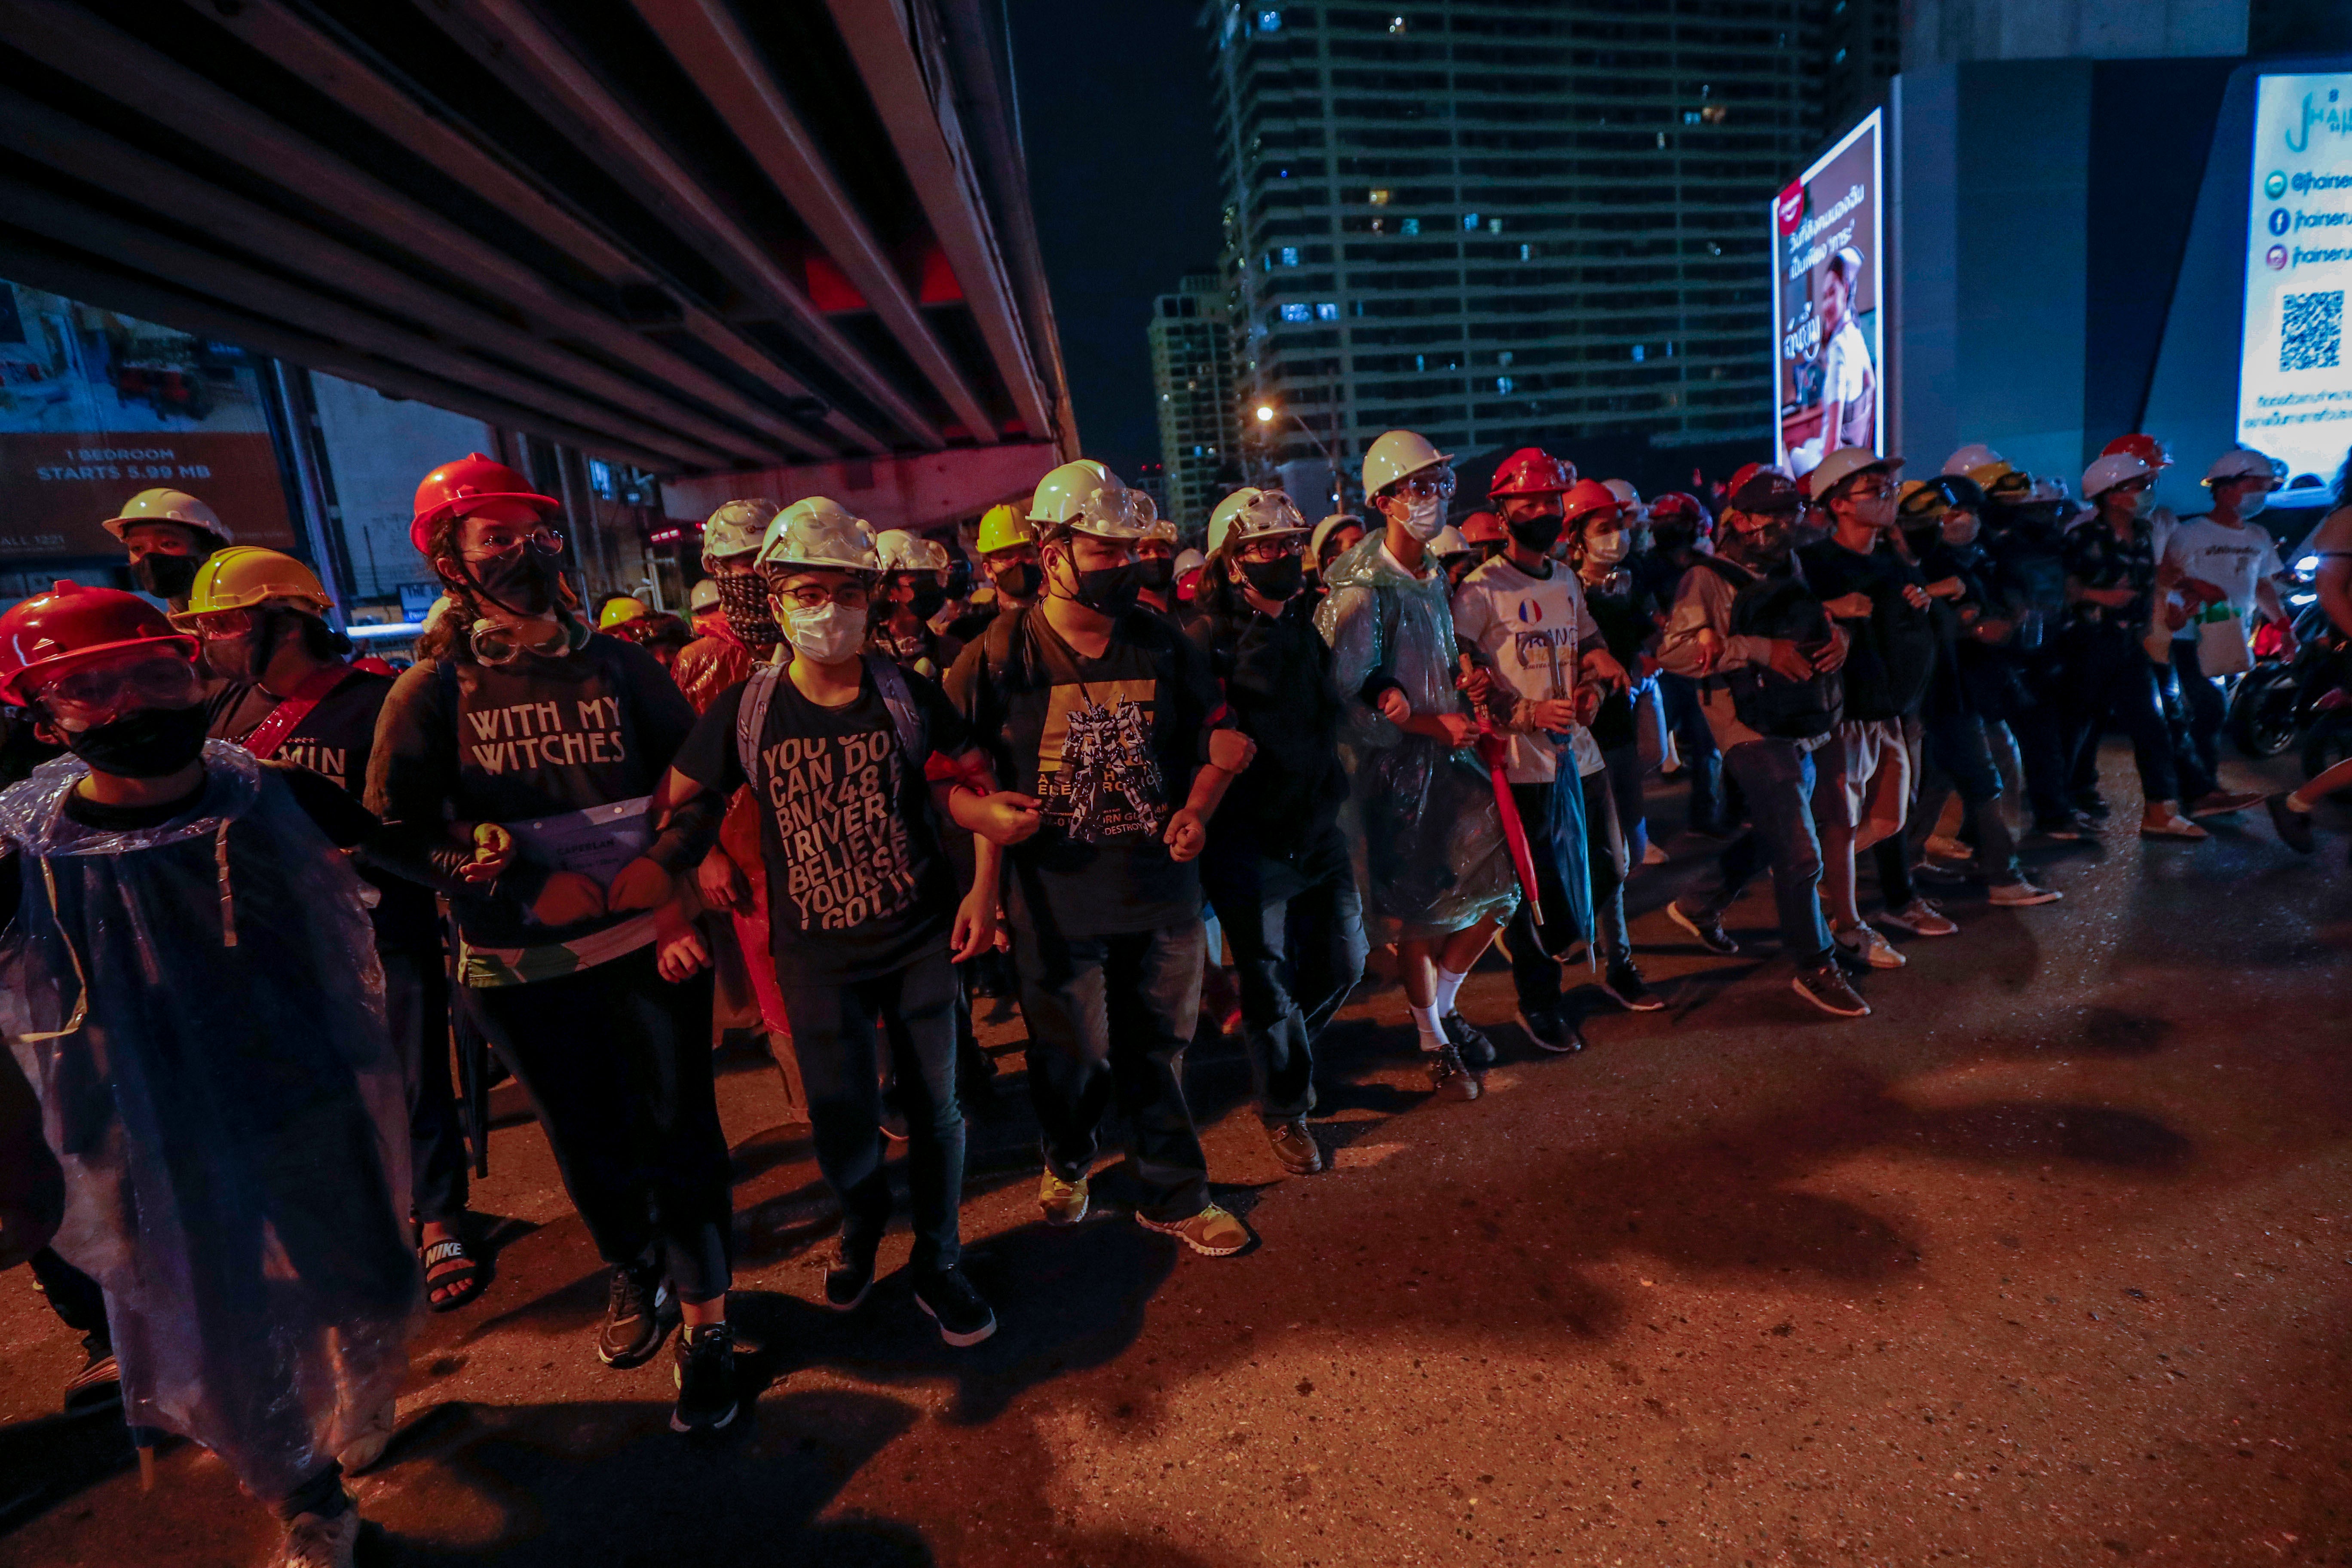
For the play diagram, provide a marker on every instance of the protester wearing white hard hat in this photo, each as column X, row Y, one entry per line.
column 1974, row 456
column 168, row 534
column 1454, row 555
column 908, row 609
column 2225, row 570
column 1333, row 537
column 2112, row 588
column 733, row 624
column 1111, row 719
column 1155, row 565
column 1438, row 878
column 1255, row 514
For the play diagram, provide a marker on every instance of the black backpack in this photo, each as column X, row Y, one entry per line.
column 1779, row 606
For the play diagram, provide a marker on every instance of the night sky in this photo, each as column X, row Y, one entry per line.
column 1114, row 114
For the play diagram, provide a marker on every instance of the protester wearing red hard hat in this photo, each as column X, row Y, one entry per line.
column 190, row 984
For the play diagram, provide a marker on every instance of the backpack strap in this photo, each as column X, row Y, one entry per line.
column 905, row 717
column 751, row 718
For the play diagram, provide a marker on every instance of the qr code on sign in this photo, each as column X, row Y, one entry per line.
column 2311, row 332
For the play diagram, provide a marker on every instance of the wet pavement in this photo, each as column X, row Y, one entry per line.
column 2049, row 1261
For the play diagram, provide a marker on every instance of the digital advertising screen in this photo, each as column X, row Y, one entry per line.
column 96, row 406
column 2295, row 385
column 1828, row 268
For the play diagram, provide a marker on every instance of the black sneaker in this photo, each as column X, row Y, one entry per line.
column 1477, row 1050
column 1708, row 928
column 637, row 1316
column 963, row 1317
column 1448, row 1077
column 707, row 1399
column 2092, row 806
column 1624, row 985
column 2293, row 826
column 848, row 1277
column 1551, row 1031
column 1826, row 987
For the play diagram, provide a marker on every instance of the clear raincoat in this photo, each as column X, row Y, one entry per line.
column 227, row 1107
column 1428, row 840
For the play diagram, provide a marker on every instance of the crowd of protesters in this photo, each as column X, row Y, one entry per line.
column 250, row 881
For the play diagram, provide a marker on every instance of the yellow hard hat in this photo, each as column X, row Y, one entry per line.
column 244, row 576
column 166, row 505
column 618, row 610
column 1001, row 528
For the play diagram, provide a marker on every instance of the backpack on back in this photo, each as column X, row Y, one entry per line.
column 1779, row 607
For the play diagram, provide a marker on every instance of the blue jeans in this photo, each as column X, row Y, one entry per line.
column 1110, row 1016
column 1776, row 778
column 1695, row 744
column 1297, row 928
column 1959, row 759
column 834, row 1038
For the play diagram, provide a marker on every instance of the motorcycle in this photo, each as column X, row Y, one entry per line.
column 2277, row 700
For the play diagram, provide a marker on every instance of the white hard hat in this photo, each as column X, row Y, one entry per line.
column 1326, row 529
column 1448, row 541
column 1256, row 513
column 705, row 596
column 1188, row 558
column 1627, row 496
column 1086, row 497
column 1975, row 454
column 1163, row 529
column 2105, row 473
column 2246, row 463
column 736, row 529
column 169, row 505
column 1397, row 454
column 818, row 531
column 1844, row 464
column 900, row 550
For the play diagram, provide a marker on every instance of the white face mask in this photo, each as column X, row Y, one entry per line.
column 827, row 634
column 1426, row 518
column 2248, row 505
column 1608, row 548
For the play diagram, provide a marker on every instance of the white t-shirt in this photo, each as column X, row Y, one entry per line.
column 1845, row 367
column 1529, row 631
column 2233, row 559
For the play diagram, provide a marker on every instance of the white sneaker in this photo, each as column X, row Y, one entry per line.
column 1922, row 917
column 1870, row 947
column 2020, row 893
column 315, row 1543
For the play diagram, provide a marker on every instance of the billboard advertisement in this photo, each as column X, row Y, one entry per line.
column 96, row 406
column 1828, row 270
column 2295, row 388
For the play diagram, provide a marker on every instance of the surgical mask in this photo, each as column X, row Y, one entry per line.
column 1426, row 518
column 1019, row 581
column 1609, row 548
column 2248, row 505
column 1537, row 534
column 827, row 633
column 1275, row 579
column 1959, row 529
column 743, row 598
column 166, row 576
column 525, row 581
column 149, row 743
column 1108, row 590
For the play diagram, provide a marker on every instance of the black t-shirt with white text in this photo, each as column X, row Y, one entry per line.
column 858, row 883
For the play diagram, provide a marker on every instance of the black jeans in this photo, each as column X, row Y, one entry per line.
column 1776, row 778
column 2208, row 710
column 1110, row 1016
column 2044, row 747
column 416, row 1006
column 617, row 1061
column 2110, row 676
column 1296, row 929
column 834, row 1037
column 1535, row 958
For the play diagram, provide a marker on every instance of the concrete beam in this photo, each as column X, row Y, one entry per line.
column 705, row 39
column 917, row 490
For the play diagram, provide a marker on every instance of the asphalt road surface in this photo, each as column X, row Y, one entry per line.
column 2044, row 1263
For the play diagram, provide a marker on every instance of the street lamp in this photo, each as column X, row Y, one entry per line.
column 1266, row 413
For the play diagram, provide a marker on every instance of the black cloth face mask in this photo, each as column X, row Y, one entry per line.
column 166, row 576
column 1275, row 579
column 1157, row 573
column 1109, row 591
column 1020, row 580
column 525, row 582
column 152, row 743
column 1537, row 534
column 743, row 599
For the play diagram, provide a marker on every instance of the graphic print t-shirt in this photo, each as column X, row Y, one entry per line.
column 857, row 884
column 1109, row 745
column 2233, row 559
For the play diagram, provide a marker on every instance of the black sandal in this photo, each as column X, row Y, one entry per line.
column 459, row 1272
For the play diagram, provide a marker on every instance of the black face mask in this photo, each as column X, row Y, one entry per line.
column 166, row 576
column 1108, row 591
column 1761, row 550
column 525, row 582
column 743, row 599
column 1275, row 579
column 1157, row 573
column 928, row 601
column 1537, row 534
column 152, row 743
column 1020, row 580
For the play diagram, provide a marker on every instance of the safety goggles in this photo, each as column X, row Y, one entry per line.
column 85, row 697
column 1434, row 481
column 215, row 625
column 497, row 644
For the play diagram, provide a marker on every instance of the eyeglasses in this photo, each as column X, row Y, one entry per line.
column 1275, row 547
column 1870, row 489
column 82, row 699
column 546, row 540
column 812, row 596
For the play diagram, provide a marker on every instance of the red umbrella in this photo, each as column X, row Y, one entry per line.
column 1492, row 751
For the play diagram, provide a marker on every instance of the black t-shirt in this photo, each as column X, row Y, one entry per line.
column 1892, row 653
column 332, row 742
column 858, row 883
column 1626, row 614
column 1109, row 745
column 1277, row 674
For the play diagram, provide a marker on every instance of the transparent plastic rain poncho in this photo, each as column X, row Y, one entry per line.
column 230, row 1115
column 1420, row 816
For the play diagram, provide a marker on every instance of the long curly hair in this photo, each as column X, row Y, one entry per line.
column 450, row 634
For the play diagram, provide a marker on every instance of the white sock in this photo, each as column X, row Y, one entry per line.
column 1432, row 1033
column 1449, row 986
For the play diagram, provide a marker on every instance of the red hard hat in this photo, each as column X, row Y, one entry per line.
column 1676, row 505
column 73, row 622
column 471, row 482
column 2147, row 449
column 1531, row 471
column 1586, row 497
column 1484, row 528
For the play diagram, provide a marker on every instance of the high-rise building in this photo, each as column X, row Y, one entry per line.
column 1862, row 47
column 1503, row 221
column 1192, row 371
